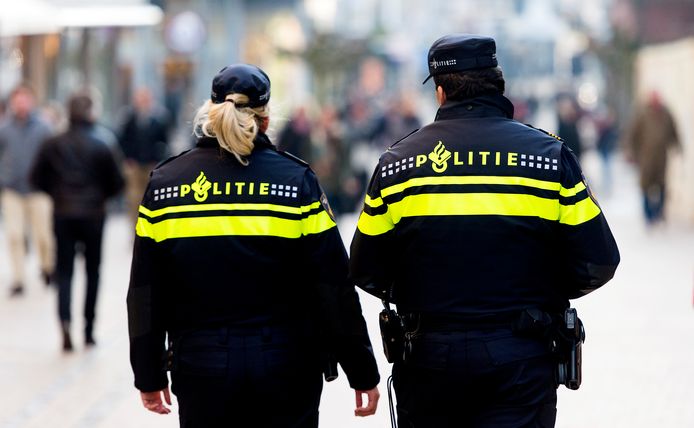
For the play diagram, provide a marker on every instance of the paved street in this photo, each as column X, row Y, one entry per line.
column 638, row 357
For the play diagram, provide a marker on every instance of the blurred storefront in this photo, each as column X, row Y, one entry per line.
column 61, row 45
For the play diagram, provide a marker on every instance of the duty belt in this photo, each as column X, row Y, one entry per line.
column 428, row 322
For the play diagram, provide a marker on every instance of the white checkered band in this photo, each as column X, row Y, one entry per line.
column 397, row 166
column 539, row 162
column 284, row 190
column 165, row 193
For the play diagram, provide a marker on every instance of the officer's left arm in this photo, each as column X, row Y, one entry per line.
column 145, row 313
column 371, row 250
column 340, row 311
column 589, row 251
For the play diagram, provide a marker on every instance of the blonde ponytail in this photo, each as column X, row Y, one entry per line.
column 234, row 127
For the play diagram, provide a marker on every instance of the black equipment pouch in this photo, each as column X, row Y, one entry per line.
column 533, row 322
column 392, row 334
column 567, row 346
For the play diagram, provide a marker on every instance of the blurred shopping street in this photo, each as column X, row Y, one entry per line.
column 638, row 357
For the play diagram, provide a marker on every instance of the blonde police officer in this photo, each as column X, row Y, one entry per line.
column 239, row 261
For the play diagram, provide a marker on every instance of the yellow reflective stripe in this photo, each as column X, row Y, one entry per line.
column 190, row 227
column 567, row 193
column 373, row 203
column 459, row 204
column 437, row 204
column 228, row 207
column 375, row 224
column 517, row 181
column 317, row 223
column 579, row 212
column 307, row 208
column 218, row 226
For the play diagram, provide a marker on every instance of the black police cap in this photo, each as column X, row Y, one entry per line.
column 243, row 79
column 459, row 52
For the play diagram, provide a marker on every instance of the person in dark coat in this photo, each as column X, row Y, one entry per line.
column 144, row 140
column 651, row 133
column 568, row 115
column 295, row 137
column 79, row 171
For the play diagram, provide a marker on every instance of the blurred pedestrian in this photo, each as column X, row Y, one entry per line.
column 399, row 120
column 79, row 170
column 359, row 120
column 651, row 133
column 480, row 229
column 239, row 260
column 330, row 157
column 144, row 140
column 568, row 115
column 21, row 135
column 607, row 137
column 295, row 137
column 54, row 114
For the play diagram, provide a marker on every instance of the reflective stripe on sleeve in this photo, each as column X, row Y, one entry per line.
column 567, row 193
column 373, row 203
column 375, row 224
column 579, row 213
column 317, row 223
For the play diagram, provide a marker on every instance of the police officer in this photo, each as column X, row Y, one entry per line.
column 469, row 223
column 238, row 260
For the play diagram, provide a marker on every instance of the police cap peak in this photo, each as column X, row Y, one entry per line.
column 459, row 52
column 243, row 79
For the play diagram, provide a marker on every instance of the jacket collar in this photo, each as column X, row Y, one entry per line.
column 483, row 106
column 261, row 142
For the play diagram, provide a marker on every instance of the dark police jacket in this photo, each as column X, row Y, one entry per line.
column 220, row 244
column 477, row 214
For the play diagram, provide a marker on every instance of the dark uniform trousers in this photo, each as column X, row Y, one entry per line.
column 251, row 377
column 476, row 379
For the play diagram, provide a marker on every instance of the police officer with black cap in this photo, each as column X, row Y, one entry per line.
column 480, row 229
column 239, row 262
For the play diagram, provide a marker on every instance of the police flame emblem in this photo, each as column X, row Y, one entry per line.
column 439, row 158
column 201, row 187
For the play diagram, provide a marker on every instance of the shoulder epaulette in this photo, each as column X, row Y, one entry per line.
column 165, row 161
column 294, row 158
column 393, row 145
column 555, row 136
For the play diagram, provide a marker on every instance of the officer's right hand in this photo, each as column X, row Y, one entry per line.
column 152, row 401
column 372, row 395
